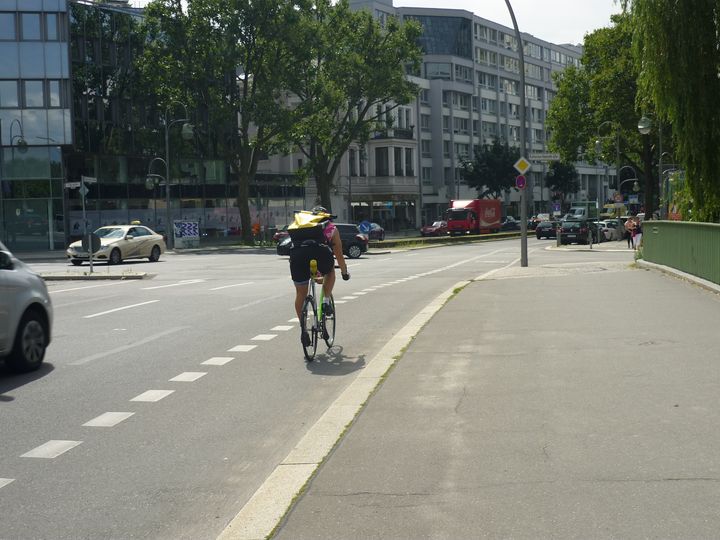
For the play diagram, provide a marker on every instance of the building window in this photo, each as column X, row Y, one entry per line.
column 353, row 158
column 55, row 98
column 446, row 124
column 34, row 94
column 7, row 27
column 425, row 96
column 409, row 169
column 425, row 122
column 30, row 26
column 437, row 70
column 425, row 148
column 382, row 163
column 398, row 153
column 446, row 149
column 51, row 27
column 427, row 173
column 9, row 94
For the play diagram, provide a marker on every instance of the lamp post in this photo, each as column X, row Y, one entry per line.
column 154, row 178
column 645, row 125
column 186, row 130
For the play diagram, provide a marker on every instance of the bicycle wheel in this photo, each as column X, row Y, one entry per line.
column 328, row 326
column 308, row 318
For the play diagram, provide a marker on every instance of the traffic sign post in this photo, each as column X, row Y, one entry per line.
column 544, row 156
column 91, row 243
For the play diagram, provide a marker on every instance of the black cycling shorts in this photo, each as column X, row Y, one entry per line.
column 300, row 257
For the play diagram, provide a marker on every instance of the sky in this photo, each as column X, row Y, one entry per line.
column 556, row 21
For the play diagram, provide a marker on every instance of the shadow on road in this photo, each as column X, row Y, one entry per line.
column 9, row 380
column 334, row 362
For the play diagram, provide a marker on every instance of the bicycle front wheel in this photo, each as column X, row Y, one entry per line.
column 308, row 325
column 329, row 325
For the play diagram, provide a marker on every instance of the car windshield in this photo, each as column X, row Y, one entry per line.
column 571, row 224
column 437, row 224
column 110, row 232
column 457, row 214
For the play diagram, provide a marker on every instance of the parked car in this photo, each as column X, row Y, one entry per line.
column 376, row 232
column 280, row 234
column 120, row 242
column 546, row 229
column 509, row 223
column 437, row 228
column 25, row 314
column 576, row 230
column 354, row 242
column 615, row 228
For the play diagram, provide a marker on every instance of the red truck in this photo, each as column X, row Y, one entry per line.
column 473, row 216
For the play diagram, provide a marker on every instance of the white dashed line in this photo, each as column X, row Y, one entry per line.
column 281, row 328
column 180, row 283
column 120, row 309
column 153, row 395
column 51, row 449
column 188, row 376
column 108, row 419
column 90, row 287
column 294, row 319
column 218, row 360
column 5, row 481
column 242, row 348
column 341, row 301
column 369, row 290
column 349, row 298
column 229, row 286
column 359, row 293
column 264, row 337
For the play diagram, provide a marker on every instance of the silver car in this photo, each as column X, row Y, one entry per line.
column 25, row 314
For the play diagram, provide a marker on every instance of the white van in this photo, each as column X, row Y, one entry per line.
column 25, row 314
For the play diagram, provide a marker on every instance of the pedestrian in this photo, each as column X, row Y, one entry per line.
column 630, row 231
column 637, row 233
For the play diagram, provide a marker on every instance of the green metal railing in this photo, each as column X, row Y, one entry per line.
column 687, row 246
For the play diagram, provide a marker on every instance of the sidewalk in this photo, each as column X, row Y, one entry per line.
column 529, row 407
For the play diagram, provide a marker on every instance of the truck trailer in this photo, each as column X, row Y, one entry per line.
column 473, row 216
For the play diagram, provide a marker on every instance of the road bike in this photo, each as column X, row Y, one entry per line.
column 313, row 319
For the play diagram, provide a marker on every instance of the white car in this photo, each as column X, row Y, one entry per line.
column 25, row 314
column 120, row 242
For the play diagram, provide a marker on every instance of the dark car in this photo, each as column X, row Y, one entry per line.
column 576, row 230
column 509, row 224
column 438, row 228
column 546, row 229
column 353, row 241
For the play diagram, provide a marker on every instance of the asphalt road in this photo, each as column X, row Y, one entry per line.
column 164, row 403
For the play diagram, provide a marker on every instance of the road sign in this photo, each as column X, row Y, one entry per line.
column 544, row 156
column 84, row 190
column 72, row 185
column 88, row 179
column 522, row 165
column 520, row 182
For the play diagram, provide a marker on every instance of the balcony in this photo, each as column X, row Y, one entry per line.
column 396, row 133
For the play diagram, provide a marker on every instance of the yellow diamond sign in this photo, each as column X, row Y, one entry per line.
column 522, row 165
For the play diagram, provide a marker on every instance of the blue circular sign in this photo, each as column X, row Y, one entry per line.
column 364, row 227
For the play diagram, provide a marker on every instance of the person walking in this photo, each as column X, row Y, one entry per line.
column 630, row 231
column 637, row 233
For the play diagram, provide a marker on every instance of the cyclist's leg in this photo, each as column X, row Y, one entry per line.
column 300, row 274
column 326, row 265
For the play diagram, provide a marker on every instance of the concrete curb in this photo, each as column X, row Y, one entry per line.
column 704, row 283
column 94, row 276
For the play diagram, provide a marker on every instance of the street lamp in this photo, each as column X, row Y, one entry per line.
column 21, row 142
column 634, row 180
column 645, row 125
column 187, row 133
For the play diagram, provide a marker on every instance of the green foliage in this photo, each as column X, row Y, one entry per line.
column 562, row 178
column 349, row 65
column 677, row 46
column 492, row 172
column 570, row 117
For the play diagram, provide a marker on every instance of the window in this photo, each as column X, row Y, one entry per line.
column 398, row 154
column 463, row 73
column 352, row 159
column 34, row 95
column 488, row 106
column 30, row 26
column 483, row 56
column 446, row 149
column 54, row 95
column 7, row 27
column 446, row 124
column 486, row 80
column 510, row 64
column 462, row 151
column 409, row 169
column 437, row 70
column 382, row 164
column 425, row 122
column 425, row 96
column 460, row 125
column 510, row 87
column 425, row 148
column 51, row 27
column 426, row 173
column 9, row 94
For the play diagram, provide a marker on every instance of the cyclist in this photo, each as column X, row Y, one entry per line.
column 321, row 249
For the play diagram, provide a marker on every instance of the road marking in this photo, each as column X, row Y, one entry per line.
column 264, row 337
column 5, row 481
column 126, row 347
column 153, row 395
column 359, row 293
column 108, row 419
column 349, row 298
column 341, row 301
column 369, row 290
column 218, row 360
column 178, row 284
column 294, row 319
column 282, row 328
column 188, row 376
column 228, row 286
column 51, row 449
column 119, row 309
column 91, row 286
column 242, row 348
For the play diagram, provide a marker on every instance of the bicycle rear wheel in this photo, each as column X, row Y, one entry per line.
column 329, row 325
column 308, row 318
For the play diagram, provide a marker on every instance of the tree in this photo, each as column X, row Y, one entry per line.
column 352, row 71
column 492, row 172
column 562, row 178
column 603, row 93
column 677, row 49
column 227, row 59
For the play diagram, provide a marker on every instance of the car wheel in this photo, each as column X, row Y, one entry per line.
column 115, row 257
column 155, row 254
column 30, row 343
column 538, row 236
column 354, row 251
column 383, row 236
column 76, row 262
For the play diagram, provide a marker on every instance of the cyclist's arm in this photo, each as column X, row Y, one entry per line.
column 336, row 245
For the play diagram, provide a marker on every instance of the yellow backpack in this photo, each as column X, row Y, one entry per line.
column 308, row 226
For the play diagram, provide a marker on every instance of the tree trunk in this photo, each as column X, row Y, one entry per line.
column 243, row 206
